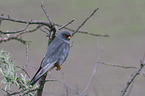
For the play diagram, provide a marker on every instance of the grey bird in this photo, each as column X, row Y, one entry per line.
column 55, row 55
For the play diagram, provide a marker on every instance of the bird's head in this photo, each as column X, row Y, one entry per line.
column 64, row 34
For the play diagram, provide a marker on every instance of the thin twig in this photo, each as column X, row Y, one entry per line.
column 85, row 21
column 19, row 92
column 8, row 94
column 46, row 13
column 63, row 26
column 52, row 25
column 43, row 31
column 25, row 21
column 50, row 80
column 14, row 32
column 15, row 36
column 65, row 85
column 27, row 92
column 0, row 19
column 23, row 71
column 27, row 55
column 31, row 30
column 12, row 38
column 84, row 32
column 88, row 33
column 94, row 72
column 122, row 66
column 68, row 86
column 130, row 89
column 131, row 79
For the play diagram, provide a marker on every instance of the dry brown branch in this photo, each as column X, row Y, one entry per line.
column 132, row 78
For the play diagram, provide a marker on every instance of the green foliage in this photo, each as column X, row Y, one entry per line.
column 11, row 75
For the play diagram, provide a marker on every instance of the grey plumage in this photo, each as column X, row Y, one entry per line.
column 56, row 53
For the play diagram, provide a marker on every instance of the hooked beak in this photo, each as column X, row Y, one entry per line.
column 68, row 37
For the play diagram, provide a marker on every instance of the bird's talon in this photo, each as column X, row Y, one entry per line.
column 58, row 68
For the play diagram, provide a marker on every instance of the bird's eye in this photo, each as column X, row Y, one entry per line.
column 65, row 35
column 68, row 37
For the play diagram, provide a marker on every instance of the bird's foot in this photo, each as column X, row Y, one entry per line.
column 58, row 68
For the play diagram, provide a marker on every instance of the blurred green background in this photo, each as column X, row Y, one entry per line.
column 123, row 20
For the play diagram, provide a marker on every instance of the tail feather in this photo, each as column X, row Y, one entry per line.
column 41, row 71
column 34, row 79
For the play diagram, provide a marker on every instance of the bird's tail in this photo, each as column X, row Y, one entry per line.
column 41, row 71
column 33, row 81
column 35, row 78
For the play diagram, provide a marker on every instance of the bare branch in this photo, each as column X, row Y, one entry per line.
column 19, row 92
column 43, row 31
column 85, row 21
column 27, row 92
column 0, row 19
column 14, row 32
column 52, row 26
column 65, row 85
column 15, row 36
column 68, row 86
column 50, row 80
column 63, row 26
column 23, row 71
column 120, row 66
column 25, row 21
column 88, row 33
column 31, row 30
column 83, row 32
column 94, row 72
column 8, row 94
column 12, row 38
column 46, row 13
column 131, row 79
column 130, row 89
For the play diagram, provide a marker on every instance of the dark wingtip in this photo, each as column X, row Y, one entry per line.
column 31, row 83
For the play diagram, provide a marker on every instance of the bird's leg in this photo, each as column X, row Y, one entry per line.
column 58, row 66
